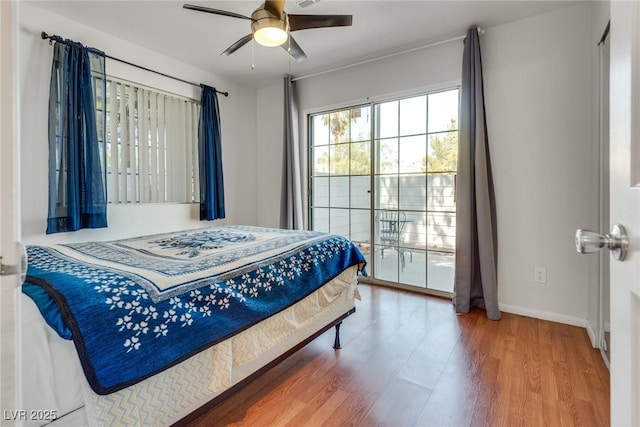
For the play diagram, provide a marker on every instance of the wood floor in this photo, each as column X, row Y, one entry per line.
column 409, row 360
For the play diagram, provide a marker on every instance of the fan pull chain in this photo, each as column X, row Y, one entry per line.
column 253, row 62
column 289, row 42
column 289, row 53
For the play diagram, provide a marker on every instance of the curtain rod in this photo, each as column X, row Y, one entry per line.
column 295, row 79
column 54, row 37
column 391, row 55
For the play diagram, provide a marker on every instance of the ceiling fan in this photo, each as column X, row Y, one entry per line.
column 271, row 25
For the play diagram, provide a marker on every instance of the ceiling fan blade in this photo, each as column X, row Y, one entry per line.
column 274, row 6
column 294, row 49
column 305, row 22
column 214, row 11
column 237, row 45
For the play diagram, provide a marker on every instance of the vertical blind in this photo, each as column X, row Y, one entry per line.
column 152, row 145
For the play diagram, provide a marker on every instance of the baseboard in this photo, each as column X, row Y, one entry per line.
column 544, row 315
column 592, row 335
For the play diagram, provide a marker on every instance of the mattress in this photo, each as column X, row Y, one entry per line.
column 135, row 307
column 53, row 380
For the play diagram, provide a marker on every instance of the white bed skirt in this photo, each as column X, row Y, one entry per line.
column 52, row 378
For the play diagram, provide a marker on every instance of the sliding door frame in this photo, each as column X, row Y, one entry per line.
column 371, row 104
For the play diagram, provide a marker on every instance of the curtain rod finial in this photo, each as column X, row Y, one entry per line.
column 45, row 36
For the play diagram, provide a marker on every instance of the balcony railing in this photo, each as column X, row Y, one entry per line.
column 346, row 207
column 433, row 229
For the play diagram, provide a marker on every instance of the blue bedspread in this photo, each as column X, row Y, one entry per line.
column 138, row 306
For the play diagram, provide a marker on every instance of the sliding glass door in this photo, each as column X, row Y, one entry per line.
column 383, row 175
column 340, row 196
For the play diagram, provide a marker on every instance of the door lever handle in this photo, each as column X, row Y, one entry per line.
column 588, row 241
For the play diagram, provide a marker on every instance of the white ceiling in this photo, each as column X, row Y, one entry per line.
column 379, row 28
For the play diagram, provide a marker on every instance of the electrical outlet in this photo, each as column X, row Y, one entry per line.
column 540, row 274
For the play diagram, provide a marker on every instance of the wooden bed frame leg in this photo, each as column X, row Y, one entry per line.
column 336, row 343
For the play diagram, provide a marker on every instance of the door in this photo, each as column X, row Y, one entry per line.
column 414, row 174
column 625, row 209
column 383, row 175
column 8, row 218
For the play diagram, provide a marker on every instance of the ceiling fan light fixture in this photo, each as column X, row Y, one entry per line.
column 269, row 31
column 270, row 36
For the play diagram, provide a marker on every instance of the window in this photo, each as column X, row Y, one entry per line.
column 383, row 175
column 152, row 145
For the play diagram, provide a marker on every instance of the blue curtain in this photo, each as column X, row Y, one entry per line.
column 77, row 192
column 210, row 157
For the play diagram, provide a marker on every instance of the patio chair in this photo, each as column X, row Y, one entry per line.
column 392, row 225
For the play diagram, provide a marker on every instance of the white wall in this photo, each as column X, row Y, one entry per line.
column 238, row 119
column 269, row 150
column 539, row 81
column 539, row 94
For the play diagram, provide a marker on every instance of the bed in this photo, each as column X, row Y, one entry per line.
column 149, row 330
